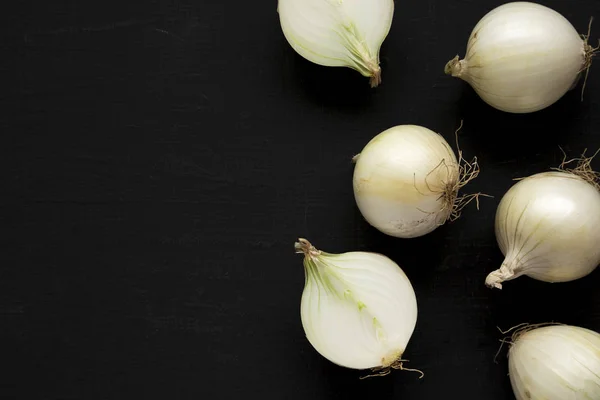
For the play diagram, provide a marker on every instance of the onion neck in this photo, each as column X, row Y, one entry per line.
column 363, row 59
column 304, row 246
column 455, row 67
column 375, row 71
column 314, row 270
column 506, row 272
column 367, row 65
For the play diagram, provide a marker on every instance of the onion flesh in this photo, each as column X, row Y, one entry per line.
column 358, row 309
column 336, row 33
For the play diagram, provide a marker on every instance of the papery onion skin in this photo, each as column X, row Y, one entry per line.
column 358, row 309
column 559, row 362
column 400, row 179
column 338, row 33
column 548, row 227
column 522, row 57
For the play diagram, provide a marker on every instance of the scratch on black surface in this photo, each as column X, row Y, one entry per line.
column 431, row 9
column 168, row 33
column 103, row 28
column 12, row 310
column 306, row 215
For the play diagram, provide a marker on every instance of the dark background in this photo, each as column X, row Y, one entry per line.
column 158, row 160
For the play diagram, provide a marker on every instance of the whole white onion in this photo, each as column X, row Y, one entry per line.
column 406, row 181
column 548, row 227
column 559, row 362
column 522, row 57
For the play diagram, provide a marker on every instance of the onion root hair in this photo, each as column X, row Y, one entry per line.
column 398, row 365
column 517, row 331
column 583, row 168
column 589, row 53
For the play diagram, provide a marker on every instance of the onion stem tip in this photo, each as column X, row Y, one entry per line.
column 303, row 246
column 454, row 67
column 376, row 77
column 495, row 278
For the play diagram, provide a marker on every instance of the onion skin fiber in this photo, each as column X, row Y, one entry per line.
column 558, row 362
column 548, row 228
column 522, row 57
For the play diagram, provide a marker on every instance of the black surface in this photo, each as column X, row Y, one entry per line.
column 159, row 159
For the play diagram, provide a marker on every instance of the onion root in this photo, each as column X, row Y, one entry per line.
column 589, row 53
column 583, row 168
column 517, row 332
column 467, row 171
column 398, row 365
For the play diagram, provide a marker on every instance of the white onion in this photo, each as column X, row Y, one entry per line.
column 338, row 33
column 358, row 309
column 522, row 57
column 406, row 181
column 548, row 227
column 558, row 362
